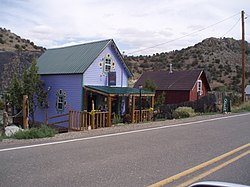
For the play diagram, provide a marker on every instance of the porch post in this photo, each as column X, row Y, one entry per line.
column 133, row 109
column 152, row 101
column 109, row 110
column 128, row 105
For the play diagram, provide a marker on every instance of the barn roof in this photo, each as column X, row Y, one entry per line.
column 177, row 80
column 74, row 59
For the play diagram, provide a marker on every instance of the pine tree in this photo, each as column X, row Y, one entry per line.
column 30, row 85
column 15, row 93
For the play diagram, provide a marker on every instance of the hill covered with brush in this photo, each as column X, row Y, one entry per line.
column 220, row 57
column 16, row 55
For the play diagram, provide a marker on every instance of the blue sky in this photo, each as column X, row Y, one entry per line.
column 135, row 25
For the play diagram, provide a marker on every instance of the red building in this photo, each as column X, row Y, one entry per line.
column 178, row 86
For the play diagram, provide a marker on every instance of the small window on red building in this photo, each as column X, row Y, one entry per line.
column 199, row 87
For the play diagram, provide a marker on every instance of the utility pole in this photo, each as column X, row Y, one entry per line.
column 243, row 58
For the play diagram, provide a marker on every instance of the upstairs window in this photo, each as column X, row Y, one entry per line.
column 107, row 63
column 199, row 87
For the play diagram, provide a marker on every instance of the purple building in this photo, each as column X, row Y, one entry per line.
column 81, row 77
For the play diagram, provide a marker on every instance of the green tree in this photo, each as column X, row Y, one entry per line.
column 149, row 86
column 160, row 100
column 30, row 85
column 15, row 93
column 33, row 87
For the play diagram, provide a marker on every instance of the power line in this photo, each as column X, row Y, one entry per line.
column 231, row 27
column 185, row 35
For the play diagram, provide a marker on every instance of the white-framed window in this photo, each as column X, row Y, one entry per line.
column 60, row 100
column 107, row 63
column 199, row 87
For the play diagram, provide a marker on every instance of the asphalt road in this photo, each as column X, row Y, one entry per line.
column 140, row 158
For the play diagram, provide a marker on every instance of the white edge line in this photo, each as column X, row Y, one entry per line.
column 120, row 133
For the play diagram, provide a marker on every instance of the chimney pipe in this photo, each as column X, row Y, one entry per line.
column 171, row 68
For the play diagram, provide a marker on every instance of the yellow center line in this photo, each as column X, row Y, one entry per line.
column 213, row 170
column 198, row 167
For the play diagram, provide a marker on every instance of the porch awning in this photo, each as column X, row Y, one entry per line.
column 119, row 91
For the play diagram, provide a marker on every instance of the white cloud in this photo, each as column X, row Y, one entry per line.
column 135, row 24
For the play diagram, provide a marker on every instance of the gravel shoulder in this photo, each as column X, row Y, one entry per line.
column 109, row 130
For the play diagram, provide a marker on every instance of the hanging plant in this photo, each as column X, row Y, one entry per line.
column 92, row 113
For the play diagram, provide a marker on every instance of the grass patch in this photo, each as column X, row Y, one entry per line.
column 1, row 137
column 245, row 107
column 32, row 133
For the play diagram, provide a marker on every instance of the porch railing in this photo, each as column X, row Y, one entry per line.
column 78, row 120
column 85, row 120
column 58, row 119
column 146, row 115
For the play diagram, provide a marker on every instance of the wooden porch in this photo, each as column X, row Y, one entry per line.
column 80, row 121
column 93, row 118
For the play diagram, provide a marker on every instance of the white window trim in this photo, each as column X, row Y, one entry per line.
column 107, row 64
column 60, row 101
column 199, row 87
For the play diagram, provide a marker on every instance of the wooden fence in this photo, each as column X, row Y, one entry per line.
column 57, row 121
column 84, row 120
column 146, row 115
column 208, row 103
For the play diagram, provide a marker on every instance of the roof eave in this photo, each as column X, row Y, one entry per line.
column 130, row 74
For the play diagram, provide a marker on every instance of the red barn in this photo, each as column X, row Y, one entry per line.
column 179, row 86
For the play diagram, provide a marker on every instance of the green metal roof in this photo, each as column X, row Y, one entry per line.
column 119, row 90
column 73, row 59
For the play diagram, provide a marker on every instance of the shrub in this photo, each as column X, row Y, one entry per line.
column 245, row 107
column 32, row 133
column 127, row 118
column 17, row 46
column 177, row 115
column 1, row 137
column 2, row 41
column 183, row 112
column 116, row 119
column 217, row 61
column 2, row 104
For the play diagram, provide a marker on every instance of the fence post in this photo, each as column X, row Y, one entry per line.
column 70, row 121
column 5, row 121
column 25, row 112
column 47, row 118
column 133, row 109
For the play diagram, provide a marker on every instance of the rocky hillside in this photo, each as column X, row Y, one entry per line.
column 221, row 59
column 16, row 54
